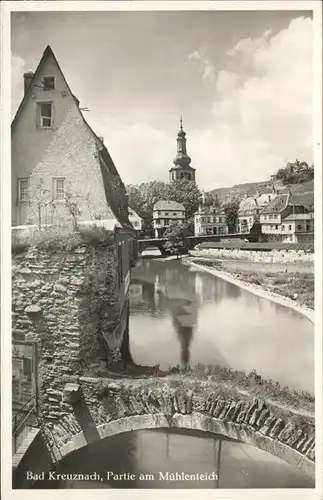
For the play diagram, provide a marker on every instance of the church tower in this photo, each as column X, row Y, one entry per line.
column 182, row 168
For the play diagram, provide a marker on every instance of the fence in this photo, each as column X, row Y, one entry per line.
column 24, row 389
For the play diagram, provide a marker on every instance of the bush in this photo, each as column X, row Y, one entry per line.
column 62, row 238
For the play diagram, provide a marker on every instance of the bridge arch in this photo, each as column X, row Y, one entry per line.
column 198, row 422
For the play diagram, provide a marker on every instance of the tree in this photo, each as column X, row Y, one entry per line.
column 231, row 212
column 295, row 172
column 135, row 199
column 176, row 235
column 142, row 197
column 187, row 193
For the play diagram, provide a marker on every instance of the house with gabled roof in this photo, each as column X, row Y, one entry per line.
column 210, row 218
column 247, row 214
column 284, row 220
column 59, row 164
column 164, row 213
column 63, row 172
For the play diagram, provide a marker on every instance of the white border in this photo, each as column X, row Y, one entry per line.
column 263, row 494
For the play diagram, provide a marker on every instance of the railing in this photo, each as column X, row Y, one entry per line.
column 23, row 421
column 26, row 418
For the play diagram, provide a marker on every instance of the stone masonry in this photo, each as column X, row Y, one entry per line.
column 66, row 300
column 116, row 406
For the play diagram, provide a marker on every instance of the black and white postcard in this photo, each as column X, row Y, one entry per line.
column 161, row 262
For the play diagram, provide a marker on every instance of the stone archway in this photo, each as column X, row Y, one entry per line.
column 115, row 409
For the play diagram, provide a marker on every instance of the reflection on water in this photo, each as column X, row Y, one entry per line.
column 149, row 454
column 182, row 316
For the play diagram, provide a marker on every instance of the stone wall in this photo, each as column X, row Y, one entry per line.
column 69, row 302
column 274, row 256
column 121, row 406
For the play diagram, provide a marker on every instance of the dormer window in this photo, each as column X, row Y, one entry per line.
column 49, row 83
column 45, row 114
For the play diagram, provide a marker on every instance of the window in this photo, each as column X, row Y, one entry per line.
column 159, row 212
column 189, row 177
column 276, row 227
column 174, row 213
column 308, row 227
column 27, row 368
column 135, row 223
column 49, row 83
column 23, row 188
column 45, row 114
column 283, row 227
column 299, row 227
column 59, row 189
column 289, row 227
column 166, row 213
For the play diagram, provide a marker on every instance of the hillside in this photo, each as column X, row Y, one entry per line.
column 302, row 193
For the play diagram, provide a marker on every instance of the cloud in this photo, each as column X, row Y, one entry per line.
column 261, row 116
column 206, row 67
column 140, row 151
column 262, row 112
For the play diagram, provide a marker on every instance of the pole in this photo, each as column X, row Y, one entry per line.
column 35, row 378
column 218, row 464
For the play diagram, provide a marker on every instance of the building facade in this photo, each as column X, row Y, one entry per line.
column 61, row 170
column 248, row 213
column 285, row 221
column 250, row 208
column 63, row 174
column 135, row 220
column 210, row 219
column 182, row 168
column 165, row 212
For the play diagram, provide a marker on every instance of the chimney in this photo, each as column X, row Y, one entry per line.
column 27, row 79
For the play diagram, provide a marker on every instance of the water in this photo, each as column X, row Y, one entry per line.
column 183, row 316
column 157, row 451
column 180, row 315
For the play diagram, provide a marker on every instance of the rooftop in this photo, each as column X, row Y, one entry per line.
column 168, row 205
column 248, row 203
column 299, row 217
column 277, row 205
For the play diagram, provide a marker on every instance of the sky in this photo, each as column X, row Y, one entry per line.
column 242, row 81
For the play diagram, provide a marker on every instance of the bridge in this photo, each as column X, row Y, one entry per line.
column 91, row 409
column 192, row 240
column 75, row 410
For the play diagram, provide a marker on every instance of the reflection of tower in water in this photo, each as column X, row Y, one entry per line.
column 185, row 335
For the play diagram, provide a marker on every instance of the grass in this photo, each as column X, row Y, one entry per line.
column 290, row 285
column 61, row 238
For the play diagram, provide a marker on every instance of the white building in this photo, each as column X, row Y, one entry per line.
column 247, row 214
column 165, row 212
column 285, row 221
column 250, row 208
column 135, row 220
column 210, row 220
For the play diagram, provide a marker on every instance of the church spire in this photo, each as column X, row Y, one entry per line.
column 182, row 168
column 182, row 159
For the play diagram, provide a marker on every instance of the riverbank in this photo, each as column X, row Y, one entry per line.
column 260, row 285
